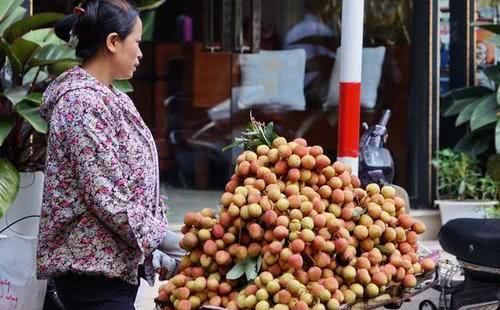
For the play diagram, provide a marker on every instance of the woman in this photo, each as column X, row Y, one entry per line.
column 102, row 218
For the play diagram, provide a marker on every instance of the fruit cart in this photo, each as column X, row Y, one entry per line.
column 295, row 230
column 394, row 298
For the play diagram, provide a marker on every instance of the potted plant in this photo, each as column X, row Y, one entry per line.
column 31, row 55
column 477, row 109
column 464, row 191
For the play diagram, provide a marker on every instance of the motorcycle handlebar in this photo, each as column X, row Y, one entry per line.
column 385, row 118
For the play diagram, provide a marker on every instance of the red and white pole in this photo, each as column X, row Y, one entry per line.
column 350, row 82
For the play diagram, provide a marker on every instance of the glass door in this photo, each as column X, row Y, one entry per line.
column 293, row 80
column 222, row 60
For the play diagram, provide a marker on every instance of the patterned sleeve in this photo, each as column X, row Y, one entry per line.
column 93, row 148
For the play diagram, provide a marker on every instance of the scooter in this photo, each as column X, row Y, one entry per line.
column 375, row 161
column 475, row 282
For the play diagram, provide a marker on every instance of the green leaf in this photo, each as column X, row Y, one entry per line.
column 463, row 101
column 237, row 271
column 497, row 137
column 269, row 132
column 485, row 113
column 493, row 167
column 9, row 185
column 123, row 86
column 6, row 125
column 383, row 249
column 143, row 5
column 14, row 61
column 41, row 37
column 7, row 7
column 34, row 97
column 251, row 270
column 356, row 213
column 52, row 38
column 458, row 106
column 30, row 23
column 44, row 37
column 469, row 91
column 59, row 67
column 24, row 50
column 30, row 111
column 259, row 263
column 236, row 143
column 29, row 76
column 474, row 143
column 16, row 94
column 148, row 24
column 15, row 15
column 52, row 53
column 466, row 113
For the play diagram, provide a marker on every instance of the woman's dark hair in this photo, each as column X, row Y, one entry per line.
column 95, row 22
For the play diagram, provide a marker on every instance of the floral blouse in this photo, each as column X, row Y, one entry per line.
column 101, row 211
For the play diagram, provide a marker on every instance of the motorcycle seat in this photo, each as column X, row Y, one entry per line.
column 476, row 241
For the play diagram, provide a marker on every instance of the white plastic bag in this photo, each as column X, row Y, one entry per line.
column 19, row 288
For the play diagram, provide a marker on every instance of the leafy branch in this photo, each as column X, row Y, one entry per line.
column 460, row 177
column 249, row 266
column 256, row 133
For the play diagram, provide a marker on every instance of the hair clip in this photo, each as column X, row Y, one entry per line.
column 73, row 40
column 79, row 10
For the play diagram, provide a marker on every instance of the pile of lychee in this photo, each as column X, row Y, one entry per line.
column 323, row 240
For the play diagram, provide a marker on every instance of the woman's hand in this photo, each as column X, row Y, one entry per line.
column 165, row 265
column 170, row 245
column 168, row 256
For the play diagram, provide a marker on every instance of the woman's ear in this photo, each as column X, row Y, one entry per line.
column 112, row 41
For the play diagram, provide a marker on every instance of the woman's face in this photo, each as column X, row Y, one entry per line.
column 128, row 53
